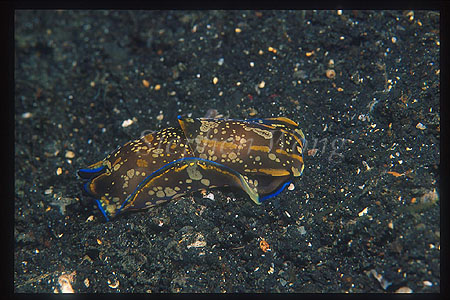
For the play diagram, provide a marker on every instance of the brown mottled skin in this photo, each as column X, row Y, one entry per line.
column 257, row 156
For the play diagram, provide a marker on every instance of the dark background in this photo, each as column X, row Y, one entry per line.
column 79, row 75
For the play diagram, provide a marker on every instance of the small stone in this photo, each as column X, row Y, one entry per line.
column 291, row 187
column 404, row 289
column 330, row 73
column 253, row 112
column 331, row 63
column 312, row 152
column 65, row 282
column 420, row 126
column 429, row 197
column 113, row 285
column 27, row 115
column 197, row 244
column 391, row 225
column 127, row 123
column 70, row 154
column 363, row 212
column 427, row 283
column 302, row 230
column 209, row 196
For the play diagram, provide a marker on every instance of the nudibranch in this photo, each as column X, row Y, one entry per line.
column 258, row 156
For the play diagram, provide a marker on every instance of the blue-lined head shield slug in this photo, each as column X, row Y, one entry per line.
column 258, row 156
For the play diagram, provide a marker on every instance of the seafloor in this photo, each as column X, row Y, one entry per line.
column 363, row 85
